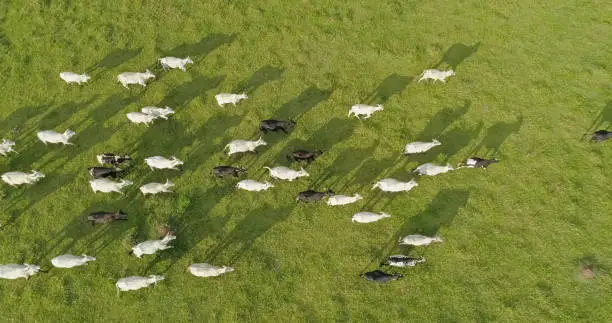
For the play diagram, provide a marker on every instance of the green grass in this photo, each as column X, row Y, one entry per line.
column 515, row 235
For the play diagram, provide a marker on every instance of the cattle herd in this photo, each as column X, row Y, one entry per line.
column 105, row 179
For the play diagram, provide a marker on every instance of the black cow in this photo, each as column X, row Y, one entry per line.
column 380, row 276
column 110, row 158
column 105, row 217
column 301, row 155
column 601, row 135
column 477, row 162
column 312, row 196
column 101, row 172
column 276, row 125
column 222, row 171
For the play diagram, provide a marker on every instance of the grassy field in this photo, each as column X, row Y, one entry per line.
column 531, row 79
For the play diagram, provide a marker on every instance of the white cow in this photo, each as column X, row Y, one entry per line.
column 436, row 75
column 137, row 282
column 403, row 261
column 364, row 109
column 134, row 78
column 158, row 112
column 225, row 98
column 393, row 185
column 14, row 271
column 253, row 186
column 160, row 162
column 69, row 261
column 207, row 270
column 150, row 247
column 106, row 185
column 6, row 146
column 343, row 199
column 139, row 117
column 241, row 146
column 55, row 138
column 367, row 217
column 154, row 188
column 286, row 173
column 418, row 240
column 418, row 147
column 175, row 62
column 432, row 169
column 18, row 178
column 71, row 77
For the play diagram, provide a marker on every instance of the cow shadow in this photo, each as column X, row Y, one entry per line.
column 194, row 224
column 79, row 236
column 441, row 121
column 602, row 121
column 345, row 162
column 456, row 54
column 201, row 48
column 62, row 113
column 246, row 232
column 323, row 138
column 14, row 123
column 298, row 106
column 186, row 92
column 260, row 77
column 495, row 136
column 392, row 85
column 368, row 171
column 40, row 190
column 452, row 142
column 440, row 213
column 114, row 59
column 215, row 127
column 96, row 132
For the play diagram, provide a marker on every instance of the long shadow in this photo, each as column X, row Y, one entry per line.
column 215, row 127
column 114, row 59
column 201, row 48
column 495, row 137
column 186, row 92
column 369, row 171
column 440, row 213
column 452, row 141
column 392, row 85
column 323, row 138
column 194, row 224
column 603, row 119
column 46, row 186
column 19, row 118
column 302, row 103
column 262, row 76
column 243, row 236
column 441, row 121
column 456, row 54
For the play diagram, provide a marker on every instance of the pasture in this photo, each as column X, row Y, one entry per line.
column 531, row 79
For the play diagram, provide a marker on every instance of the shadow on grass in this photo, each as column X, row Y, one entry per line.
column 19, row 118
column 262, row 76
column 602, row 121
column 114, row 59
column 440, row 213
column 201, row 48
column 301, row 104
column 441, row 121
column 456, row 54
column 194, row 224
column 495, row 136
column 392, row 85
column 243, row 236
column 186, row 92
